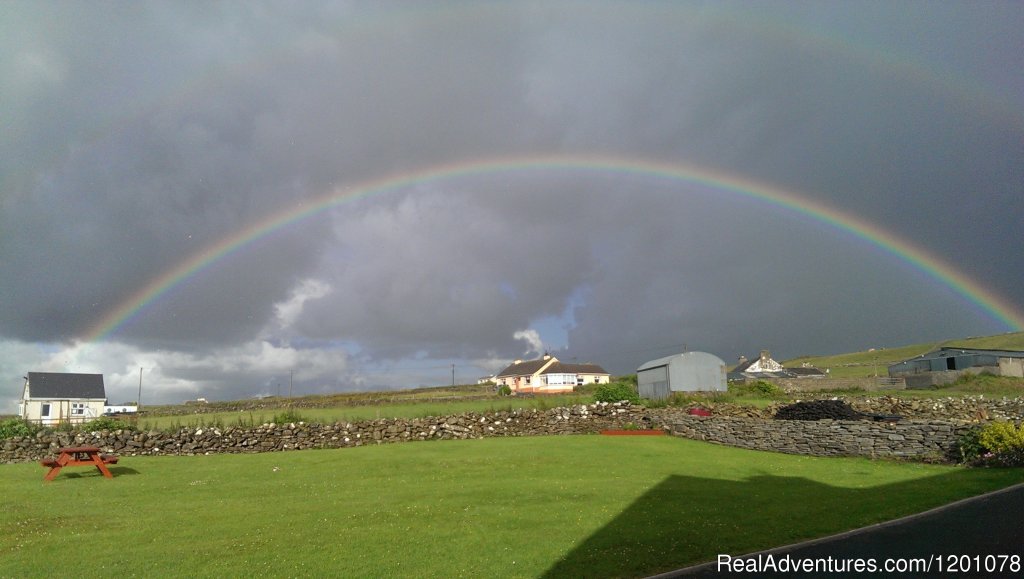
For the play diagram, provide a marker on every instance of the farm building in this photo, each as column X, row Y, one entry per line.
column 947, row 364
column 686, row 372
column 52, row 398
column 765, row 368
column 549, row 375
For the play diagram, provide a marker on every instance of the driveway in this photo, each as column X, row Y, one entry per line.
column 986, row 526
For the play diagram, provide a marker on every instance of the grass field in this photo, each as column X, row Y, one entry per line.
column 404, row 409
column 971, row 385
column 868, row 363
column 519, row 507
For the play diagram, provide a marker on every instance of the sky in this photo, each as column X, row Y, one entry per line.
column 254, row 198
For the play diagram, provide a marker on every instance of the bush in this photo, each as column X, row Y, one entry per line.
column 504, row 390
column 616, row 392
column 969, row 447
column 106, row 423
column 758, row 388
column 998, row 443
column 288, row 416
column 1005, row 441
column 16, row 427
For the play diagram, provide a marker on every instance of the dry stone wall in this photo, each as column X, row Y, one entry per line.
column 582, row 419
column 912, row 438
column 869, row 384
column 930, row 426
column 947, row 408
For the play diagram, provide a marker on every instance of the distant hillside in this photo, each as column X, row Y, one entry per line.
column 869, row 362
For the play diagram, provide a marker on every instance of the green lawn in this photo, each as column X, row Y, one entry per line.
column 526, row 507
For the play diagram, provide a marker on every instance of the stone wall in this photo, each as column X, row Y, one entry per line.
column 868, row 384
column 911, row 438
column 296, row 436
column 931, row 426
column 966, row 408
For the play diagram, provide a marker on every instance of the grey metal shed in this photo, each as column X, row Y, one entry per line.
column 686, row 372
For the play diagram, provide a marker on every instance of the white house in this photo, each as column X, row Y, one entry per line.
column 52, row 398
column 765, row 368
column 548, row 375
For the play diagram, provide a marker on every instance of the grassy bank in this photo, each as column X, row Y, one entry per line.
column 870, row 363
column 522, row 507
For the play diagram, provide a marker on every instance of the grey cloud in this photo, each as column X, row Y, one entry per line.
column 137, row 138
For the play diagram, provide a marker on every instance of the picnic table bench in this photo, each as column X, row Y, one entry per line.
column 79, row 456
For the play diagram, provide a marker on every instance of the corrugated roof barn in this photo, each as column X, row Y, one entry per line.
column 686, row 372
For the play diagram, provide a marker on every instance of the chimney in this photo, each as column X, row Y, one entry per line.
column 518, row 362
column 765, row 356
column 547, row 356
column 742, row 360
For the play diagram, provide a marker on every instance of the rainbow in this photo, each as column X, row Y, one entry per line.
column 994, row 305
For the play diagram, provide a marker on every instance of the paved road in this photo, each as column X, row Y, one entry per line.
column 991, row 524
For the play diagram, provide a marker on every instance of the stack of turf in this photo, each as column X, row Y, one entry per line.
column 818, row 410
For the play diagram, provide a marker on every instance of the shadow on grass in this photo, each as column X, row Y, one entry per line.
column 114, row 470
column 689, row 520
column 122, row 470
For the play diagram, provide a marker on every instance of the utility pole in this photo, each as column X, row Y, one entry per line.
column 290, row 376
column 453, row 374
column 138, row 402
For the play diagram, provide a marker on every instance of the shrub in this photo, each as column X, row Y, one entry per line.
column 616, row 392
column 969, row 447
column 288, row 416
column 106, row 423
column 16, row 427
column 759, row 388
column 998, row 443
column 688, row 399
column 504, row 390
column 1005, row 441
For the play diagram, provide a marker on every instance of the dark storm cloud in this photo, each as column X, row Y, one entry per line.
column 137, row 136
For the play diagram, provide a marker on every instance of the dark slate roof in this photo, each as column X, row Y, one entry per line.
column 783, row 373
column 523, row 368
column 743, row 367
column 563, row 368
column 56, row 385
column 809, row 372
column 530, row 366
column 946, row 351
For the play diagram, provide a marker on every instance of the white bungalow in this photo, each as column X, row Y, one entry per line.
column 52, row 398
column 549, row 375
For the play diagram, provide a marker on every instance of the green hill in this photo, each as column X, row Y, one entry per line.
column 870, row 362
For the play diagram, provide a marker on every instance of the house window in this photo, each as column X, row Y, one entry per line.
column 77, row 408
column 46, row 411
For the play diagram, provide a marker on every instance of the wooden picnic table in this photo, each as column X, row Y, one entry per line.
column 79, row 456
